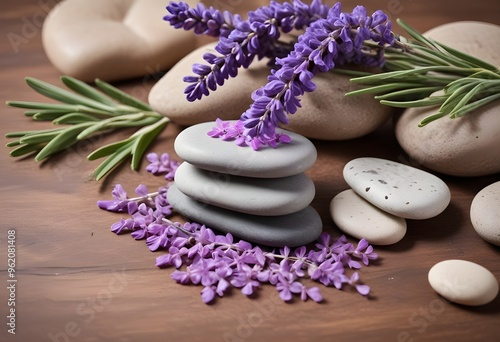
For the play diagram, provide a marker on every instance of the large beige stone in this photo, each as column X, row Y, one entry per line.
column 481, row 40
column 113, row 39
column 227, row 102
column 325, row 114
column 328, row 114
column 467, row 146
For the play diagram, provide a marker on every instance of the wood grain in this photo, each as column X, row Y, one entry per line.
column 79, row 282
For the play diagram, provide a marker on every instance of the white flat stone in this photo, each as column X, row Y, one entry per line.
column 256, row 196
column 398, row 189
column 113, row 39
column 485, row 213
column 463, row 282
column 213, row 154
column 355, row 216
column 290, row 230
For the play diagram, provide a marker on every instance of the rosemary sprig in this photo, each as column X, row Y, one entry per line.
column 86, row 111
column 422, row 72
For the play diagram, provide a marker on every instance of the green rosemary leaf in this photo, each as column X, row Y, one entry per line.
column 144, row 139
column 350, row 72
column 428, row 101
column 147, row 120
column 48, row 115
column 121, row 96
column 106, row 124
column 113, row 160
column 108, row 149
column 430, row 118
column 40, row 136
column 84, row 89
column 13, row 143
column 45, row 112
column 68, row 108
column 380, row 88
column 75, row 118
column 63, row 140
column 42, row 106
column 466, row 57
column 443, row 59
column 454, row 98
column 421, row 91
column 476, row 104
column 468, row 97
column 417, row 36
column 25, row 149
column 19, row 134
column 65, row 96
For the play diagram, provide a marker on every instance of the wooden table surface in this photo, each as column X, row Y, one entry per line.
column 77, row 281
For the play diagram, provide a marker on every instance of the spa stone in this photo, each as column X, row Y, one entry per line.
column 213, row 154
column 290, row 230
column 398, row 189
column 257, row 196
column 355, row 216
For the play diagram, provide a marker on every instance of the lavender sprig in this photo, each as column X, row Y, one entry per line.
column 338, row 39
column 256, row 37
column 218, row 262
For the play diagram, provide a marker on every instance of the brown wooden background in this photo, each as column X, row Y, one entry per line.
column 79, row 282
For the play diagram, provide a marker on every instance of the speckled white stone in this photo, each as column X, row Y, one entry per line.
column 463, row 282
column 212, row 154
column 355, row 216
column 291, row 230
column 257, row 196
column 398, row 189
column 485, row 213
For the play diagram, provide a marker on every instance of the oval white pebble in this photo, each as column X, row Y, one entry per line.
column 398, row 189
column 213, row 154
column 290, row 230
column 257, row 196
column 485, row 213
column 355, row 216
column 463, row 282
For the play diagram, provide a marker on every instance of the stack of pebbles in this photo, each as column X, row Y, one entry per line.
column 383, row 195
column 260, row 196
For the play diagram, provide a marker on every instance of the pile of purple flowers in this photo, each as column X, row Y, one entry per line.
column 218, row 262
column 331, row 37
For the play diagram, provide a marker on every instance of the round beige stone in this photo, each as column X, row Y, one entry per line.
column 485, row 213
column 479, row 39
column 328, row 114
column 113, row 39
column 357, row 217
column 325, row 114
column 466, row 146
column 228, row 102
column 463, row 282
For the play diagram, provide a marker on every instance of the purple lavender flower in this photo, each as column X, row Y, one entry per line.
column 162, row 165
column 119, row 202
column 201, row 20
column 218, row 262
column 247, row 39
column 337, row 39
